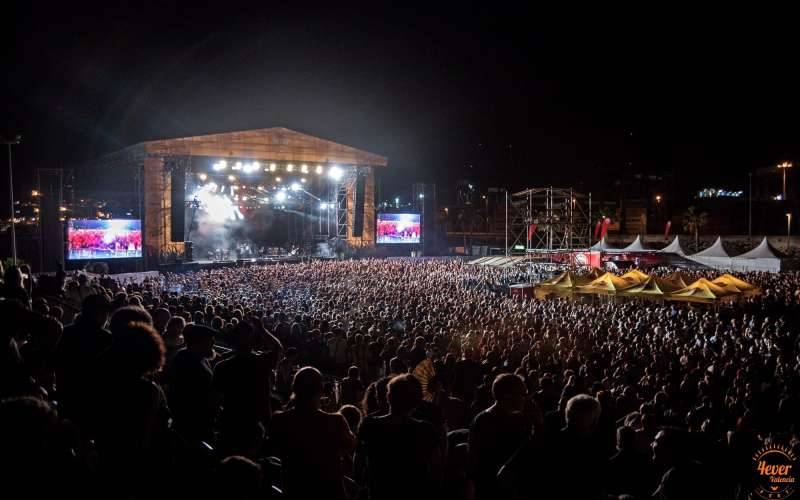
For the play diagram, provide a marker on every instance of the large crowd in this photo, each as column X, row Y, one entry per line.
column 386, row 379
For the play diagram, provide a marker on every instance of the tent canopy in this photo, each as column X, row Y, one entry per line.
column 607, row 283
column 674, row 247
column 635, row 276
column 635, row 246
column 727, row 280
column 652, row 286
column 763, row 251
column 603, row 246
column 567, row 279
column 715, row 250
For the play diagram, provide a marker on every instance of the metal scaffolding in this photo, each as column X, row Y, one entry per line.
column 548, row 219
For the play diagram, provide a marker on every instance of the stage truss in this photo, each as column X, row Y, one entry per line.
column 548, row 219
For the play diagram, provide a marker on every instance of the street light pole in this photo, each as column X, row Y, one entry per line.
column 788, row 231
column 784, row 166
column 750, row 207
column 9, row 143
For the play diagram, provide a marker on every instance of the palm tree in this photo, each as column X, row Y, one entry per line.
column 692, row 222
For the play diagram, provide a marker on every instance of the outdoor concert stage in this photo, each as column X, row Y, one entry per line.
column 238, row 193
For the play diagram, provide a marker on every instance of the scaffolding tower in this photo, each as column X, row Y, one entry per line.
column 548, row 219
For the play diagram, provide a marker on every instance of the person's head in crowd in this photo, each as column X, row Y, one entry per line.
column 27, row 430
column 243, row 337
column 128, row 314
column 39, row 305
column 217, row 323
column 404, row 394
column 353, row 416
column 396, row 366
column 96, row 309
column 57, row 312
column 582, row 414
column 137, row 350
column 353, row 373
column 174, row 330
column 200, row 339
column 509, row 392
column 625, row 438
column 239, row 478
column 669, row 447
column 12, row 278
column 307, row 388
column 161, row 317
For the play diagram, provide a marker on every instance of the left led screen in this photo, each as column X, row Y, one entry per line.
column 104, row 239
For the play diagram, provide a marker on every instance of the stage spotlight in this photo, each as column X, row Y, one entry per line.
column 318, row 169
column 304, row 168
column 256, row 166
column 237, row 166
column 277, row 179
column 231, row 178
column 280, row 196
column 335, row 173
column 290, row 168
column 323, row 206
column 272, row 167
column 220, row 165
column 203, row 177
column 295, row 186
column 303, row 180
column 244, row 198
column 260, row 188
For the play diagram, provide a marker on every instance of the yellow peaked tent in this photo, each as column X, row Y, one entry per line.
column 607, row 283
column 729, row 280
column 703, row 290
column 635, row 276
column 652, row 287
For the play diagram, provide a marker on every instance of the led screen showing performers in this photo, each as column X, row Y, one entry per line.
column 399, row 228
column 104, row 239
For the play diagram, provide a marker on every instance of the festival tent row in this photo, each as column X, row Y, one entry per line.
column 635, row 283
column 764, row 257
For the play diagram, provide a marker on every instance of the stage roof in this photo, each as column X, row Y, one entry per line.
column 277, row 143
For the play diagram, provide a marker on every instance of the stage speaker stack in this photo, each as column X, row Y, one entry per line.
column 178, row 195
column 50, row 226
column 187, row 251
column 358, row 213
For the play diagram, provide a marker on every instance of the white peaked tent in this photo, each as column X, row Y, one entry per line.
column 635, row 246
column 714, row 256
column 602, row 246
column 673, row 247
column 762, row 258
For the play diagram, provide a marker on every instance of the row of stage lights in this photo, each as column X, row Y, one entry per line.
column 221, row 206
column 335, row 172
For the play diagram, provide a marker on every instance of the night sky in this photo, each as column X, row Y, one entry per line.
column 499, row 94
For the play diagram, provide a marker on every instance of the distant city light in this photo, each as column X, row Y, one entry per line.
column 34, row 193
